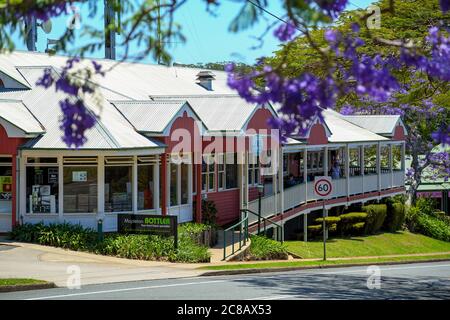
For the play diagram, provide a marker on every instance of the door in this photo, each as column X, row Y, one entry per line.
column 5, row 194
column 180, row 191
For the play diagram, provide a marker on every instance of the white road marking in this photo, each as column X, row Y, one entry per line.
column 125, row 289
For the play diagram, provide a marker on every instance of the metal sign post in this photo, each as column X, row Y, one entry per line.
column 323, row 187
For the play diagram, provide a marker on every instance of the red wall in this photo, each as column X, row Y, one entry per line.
column 9, row 146
column 227, row 201
column 227, row 204
column 317, row 135
column 399, row 133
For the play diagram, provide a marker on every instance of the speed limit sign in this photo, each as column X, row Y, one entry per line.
column 323, row 187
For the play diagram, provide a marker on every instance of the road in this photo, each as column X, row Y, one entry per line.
column 408, row 281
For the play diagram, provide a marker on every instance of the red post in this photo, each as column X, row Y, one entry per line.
column 164, row 184
column 13, row 191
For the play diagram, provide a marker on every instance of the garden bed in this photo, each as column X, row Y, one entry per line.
column 141, row 247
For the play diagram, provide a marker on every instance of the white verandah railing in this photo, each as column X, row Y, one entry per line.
column 302, row 193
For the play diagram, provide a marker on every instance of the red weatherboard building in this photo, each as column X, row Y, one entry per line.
column 168, row 137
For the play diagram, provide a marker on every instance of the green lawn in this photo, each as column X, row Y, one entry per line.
column 18, row 282
column 376, row 245
column 306, row 264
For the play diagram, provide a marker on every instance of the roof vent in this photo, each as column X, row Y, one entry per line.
column 205, row 79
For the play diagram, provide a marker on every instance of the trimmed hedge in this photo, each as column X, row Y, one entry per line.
column 329, row 221
column 395, row 217
column 348, row 220
column 376, row 213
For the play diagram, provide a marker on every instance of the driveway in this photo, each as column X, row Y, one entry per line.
column 23, row 260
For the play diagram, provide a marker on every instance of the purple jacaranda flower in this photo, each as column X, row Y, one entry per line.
column 347, row 110
column 46, row 80
column 285, row 32
column 442, row 135
column 76, row 120
column 44, row 11
column 332, row 8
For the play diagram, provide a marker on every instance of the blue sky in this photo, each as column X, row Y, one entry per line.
column 208, row 38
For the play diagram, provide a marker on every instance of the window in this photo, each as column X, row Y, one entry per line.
column 5, row 185
column 221, row 171
column 42, row 185
column 118, row 191
column 285, row 164
column 354, row 162
column 384, row 159
column 146, row 187
column 173, row 184
column 253, row 170
column 370, row 159
column 231, row 168
column 208, row 173
column 397, row 157
column 80, row 189
column 184, row 168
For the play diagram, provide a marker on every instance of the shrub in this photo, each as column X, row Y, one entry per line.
column 358, row 228
column 143, row 247
column 353, row 217
column 65, row 235
column 411, row 218
column 376, row 213
column 345, row 225
column 395, row 216
column 262, row 248
column 209, row 212
column 432, row 227
column 441, row 215
column 329, row 221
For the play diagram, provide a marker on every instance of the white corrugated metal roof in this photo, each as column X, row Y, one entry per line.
column 344, row 131
column 134, row 80
column 10, row 70
column 380, row 124
column 111, row 131
column 219, row 112
column 149, row 116
column 16, row 113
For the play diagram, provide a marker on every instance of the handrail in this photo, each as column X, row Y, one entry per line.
column 243, row 227
column 280, row 235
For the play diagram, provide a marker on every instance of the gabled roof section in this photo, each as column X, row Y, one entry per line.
column 148, row 116
column 11, row 77
column 18, row 115
column 380, row 124
column 345, row 131
column 227, row 112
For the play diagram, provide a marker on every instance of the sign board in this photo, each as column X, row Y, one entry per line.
column 165, row 226
column 323, row 187
column 52, row 175
column 79, row 176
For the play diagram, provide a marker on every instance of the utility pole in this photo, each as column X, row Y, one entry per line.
column 31, row 32
column 158, row 36
column 110, row 33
